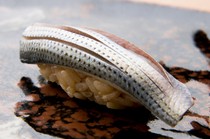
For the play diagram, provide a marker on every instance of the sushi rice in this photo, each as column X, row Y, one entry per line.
column 83, row 86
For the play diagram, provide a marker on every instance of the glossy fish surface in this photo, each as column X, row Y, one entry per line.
column 110, row 58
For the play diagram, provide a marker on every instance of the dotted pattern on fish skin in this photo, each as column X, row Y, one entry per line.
column 151, row 86
column 158, row 80
column 31, row 48
column 132, row 57
column 121, row 51
column 102, row 50
column 109, row 54
column 94, row 46
column 143, row 83
column 129, row 56
column 81, row 41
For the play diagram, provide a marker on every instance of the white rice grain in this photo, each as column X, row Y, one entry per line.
column 82, row 86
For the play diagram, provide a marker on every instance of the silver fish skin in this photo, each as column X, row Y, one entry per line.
column 93, row 52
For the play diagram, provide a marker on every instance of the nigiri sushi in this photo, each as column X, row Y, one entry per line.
column 95, row 65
